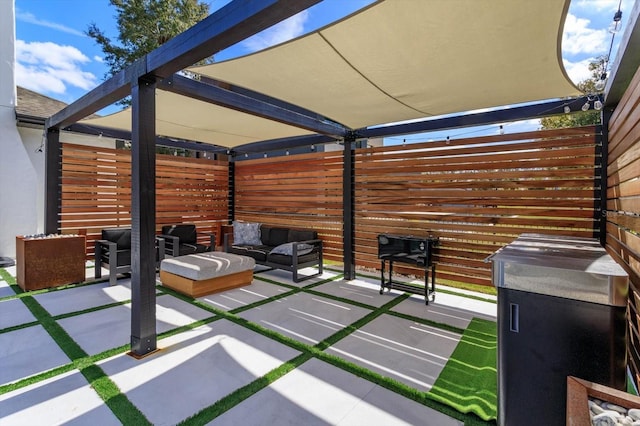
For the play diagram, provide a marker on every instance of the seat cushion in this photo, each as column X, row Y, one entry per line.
column 285, row 260
column 203, row 266
column 120, row 236
column 185, row 249
column 259, row 253
column 277, row 236
column 186, row 232
column 302, row 235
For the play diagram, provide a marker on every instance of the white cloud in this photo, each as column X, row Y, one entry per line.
column 49, row 68
column 596, row 5
column 579, row 38
column 578, row 71
column 279, row 33
column 98, row 59
column 32, row 19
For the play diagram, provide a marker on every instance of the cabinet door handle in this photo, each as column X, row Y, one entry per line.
column 514, row 317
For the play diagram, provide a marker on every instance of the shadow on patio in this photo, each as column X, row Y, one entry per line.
column 325, row 351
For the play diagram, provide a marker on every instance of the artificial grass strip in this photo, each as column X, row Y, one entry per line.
column 468, row 381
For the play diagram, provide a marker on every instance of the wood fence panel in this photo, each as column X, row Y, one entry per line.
column 96, row 192
column 299, row 191
column 477, row 195
column 623, row 206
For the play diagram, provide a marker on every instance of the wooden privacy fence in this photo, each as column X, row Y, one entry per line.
column 623, row 205
column 477, row 195
column 96, row 192
column 300, row 191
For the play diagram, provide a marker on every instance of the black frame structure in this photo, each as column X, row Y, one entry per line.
column 231, row 24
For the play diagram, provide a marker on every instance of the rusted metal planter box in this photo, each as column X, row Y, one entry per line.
column 49, row 262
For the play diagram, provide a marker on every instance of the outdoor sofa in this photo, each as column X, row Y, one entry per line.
column 276, row 247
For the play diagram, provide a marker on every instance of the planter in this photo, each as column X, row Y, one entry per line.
column 49, row 261
column 580, row 391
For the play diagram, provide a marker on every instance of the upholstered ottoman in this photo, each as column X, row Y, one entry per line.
column 200, row 274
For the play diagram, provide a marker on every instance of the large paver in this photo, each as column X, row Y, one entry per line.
column 286, row 277
column 85, row 297
column 14, row 312
column 305, row 317
column 108, row 328
column 363, row 290
column 64, row 399
column 236, row 298
column 404, row 350
column 26, row 352
column 195, row 369
column 317, row 393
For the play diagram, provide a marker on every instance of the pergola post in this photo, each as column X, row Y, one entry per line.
column 348, row 195
column 53, row 180
column 143, row 216
column 605, row 117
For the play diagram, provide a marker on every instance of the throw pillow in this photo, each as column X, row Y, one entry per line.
column 246, row 233
column 287, row 249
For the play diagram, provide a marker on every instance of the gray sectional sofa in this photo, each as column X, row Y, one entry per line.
column 277, row 247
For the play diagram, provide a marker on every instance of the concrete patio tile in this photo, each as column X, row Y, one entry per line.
column 5, row 289
column 81, row 298
column 26, row 352
column 363, row 290
column 65, row 399
column 108, row 328
column 317, row 393
column 195, row 369
column 304, row 317
column 286, row 277
column 235, row 298
column 448, row 309
column 404, row 350
column 14, row 312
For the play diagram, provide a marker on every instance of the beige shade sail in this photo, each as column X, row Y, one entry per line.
column 193, row 120
column 393, row 61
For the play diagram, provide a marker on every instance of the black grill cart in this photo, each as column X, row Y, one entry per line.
column 417, row 251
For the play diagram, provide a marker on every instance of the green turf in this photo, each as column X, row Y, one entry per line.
column 468, row 381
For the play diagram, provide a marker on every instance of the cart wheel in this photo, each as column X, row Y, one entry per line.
column 382, row 290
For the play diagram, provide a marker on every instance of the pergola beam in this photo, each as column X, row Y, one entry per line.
column 240, row 102
column 502, row 115
column 231, row 24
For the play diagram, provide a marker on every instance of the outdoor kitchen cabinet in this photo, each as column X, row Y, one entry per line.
column 561, row 312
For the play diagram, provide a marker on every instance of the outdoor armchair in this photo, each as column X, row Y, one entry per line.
column 182, row 239
column 113, row 252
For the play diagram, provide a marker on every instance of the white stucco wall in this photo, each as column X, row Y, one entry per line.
column 18, row 176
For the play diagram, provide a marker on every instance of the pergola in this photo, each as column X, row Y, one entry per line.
column 393, row 61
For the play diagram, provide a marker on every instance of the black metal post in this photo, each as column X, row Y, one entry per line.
column 143, row 216
column 604, row 159
column 348, row 203
column 53, row 180
column 232, row 190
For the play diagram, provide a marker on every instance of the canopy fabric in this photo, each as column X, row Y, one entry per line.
column 193, row 120
column 393, row 61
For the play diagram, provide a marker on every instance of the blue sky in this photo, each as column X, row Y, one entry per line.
column 55, row 57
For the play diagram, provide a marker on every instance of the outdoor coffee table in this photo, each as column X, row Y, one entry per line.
column 200, row 274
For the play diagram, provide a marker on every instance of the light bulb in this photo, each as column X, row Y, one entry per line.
column 501, row 130
column 597, row 105
column 586, row 106
column 601, row 82
column 567, row 110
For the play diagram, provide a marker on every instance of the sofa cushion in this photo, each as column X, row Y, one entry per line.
column 246, row 233
column 285, row 260
column 277, row 236
column 259, row 253
column 120, row 236
column 287, row 249
column 302, row 235
column 185, row 232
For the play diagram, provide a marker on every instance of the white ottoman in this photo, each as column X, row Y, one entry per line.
column 200, row 274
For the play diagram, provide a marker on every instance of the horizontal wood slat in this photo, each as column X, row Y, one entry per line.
column 96, row 192
column 299, row 191
column 623, row 205
column 477, row 195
